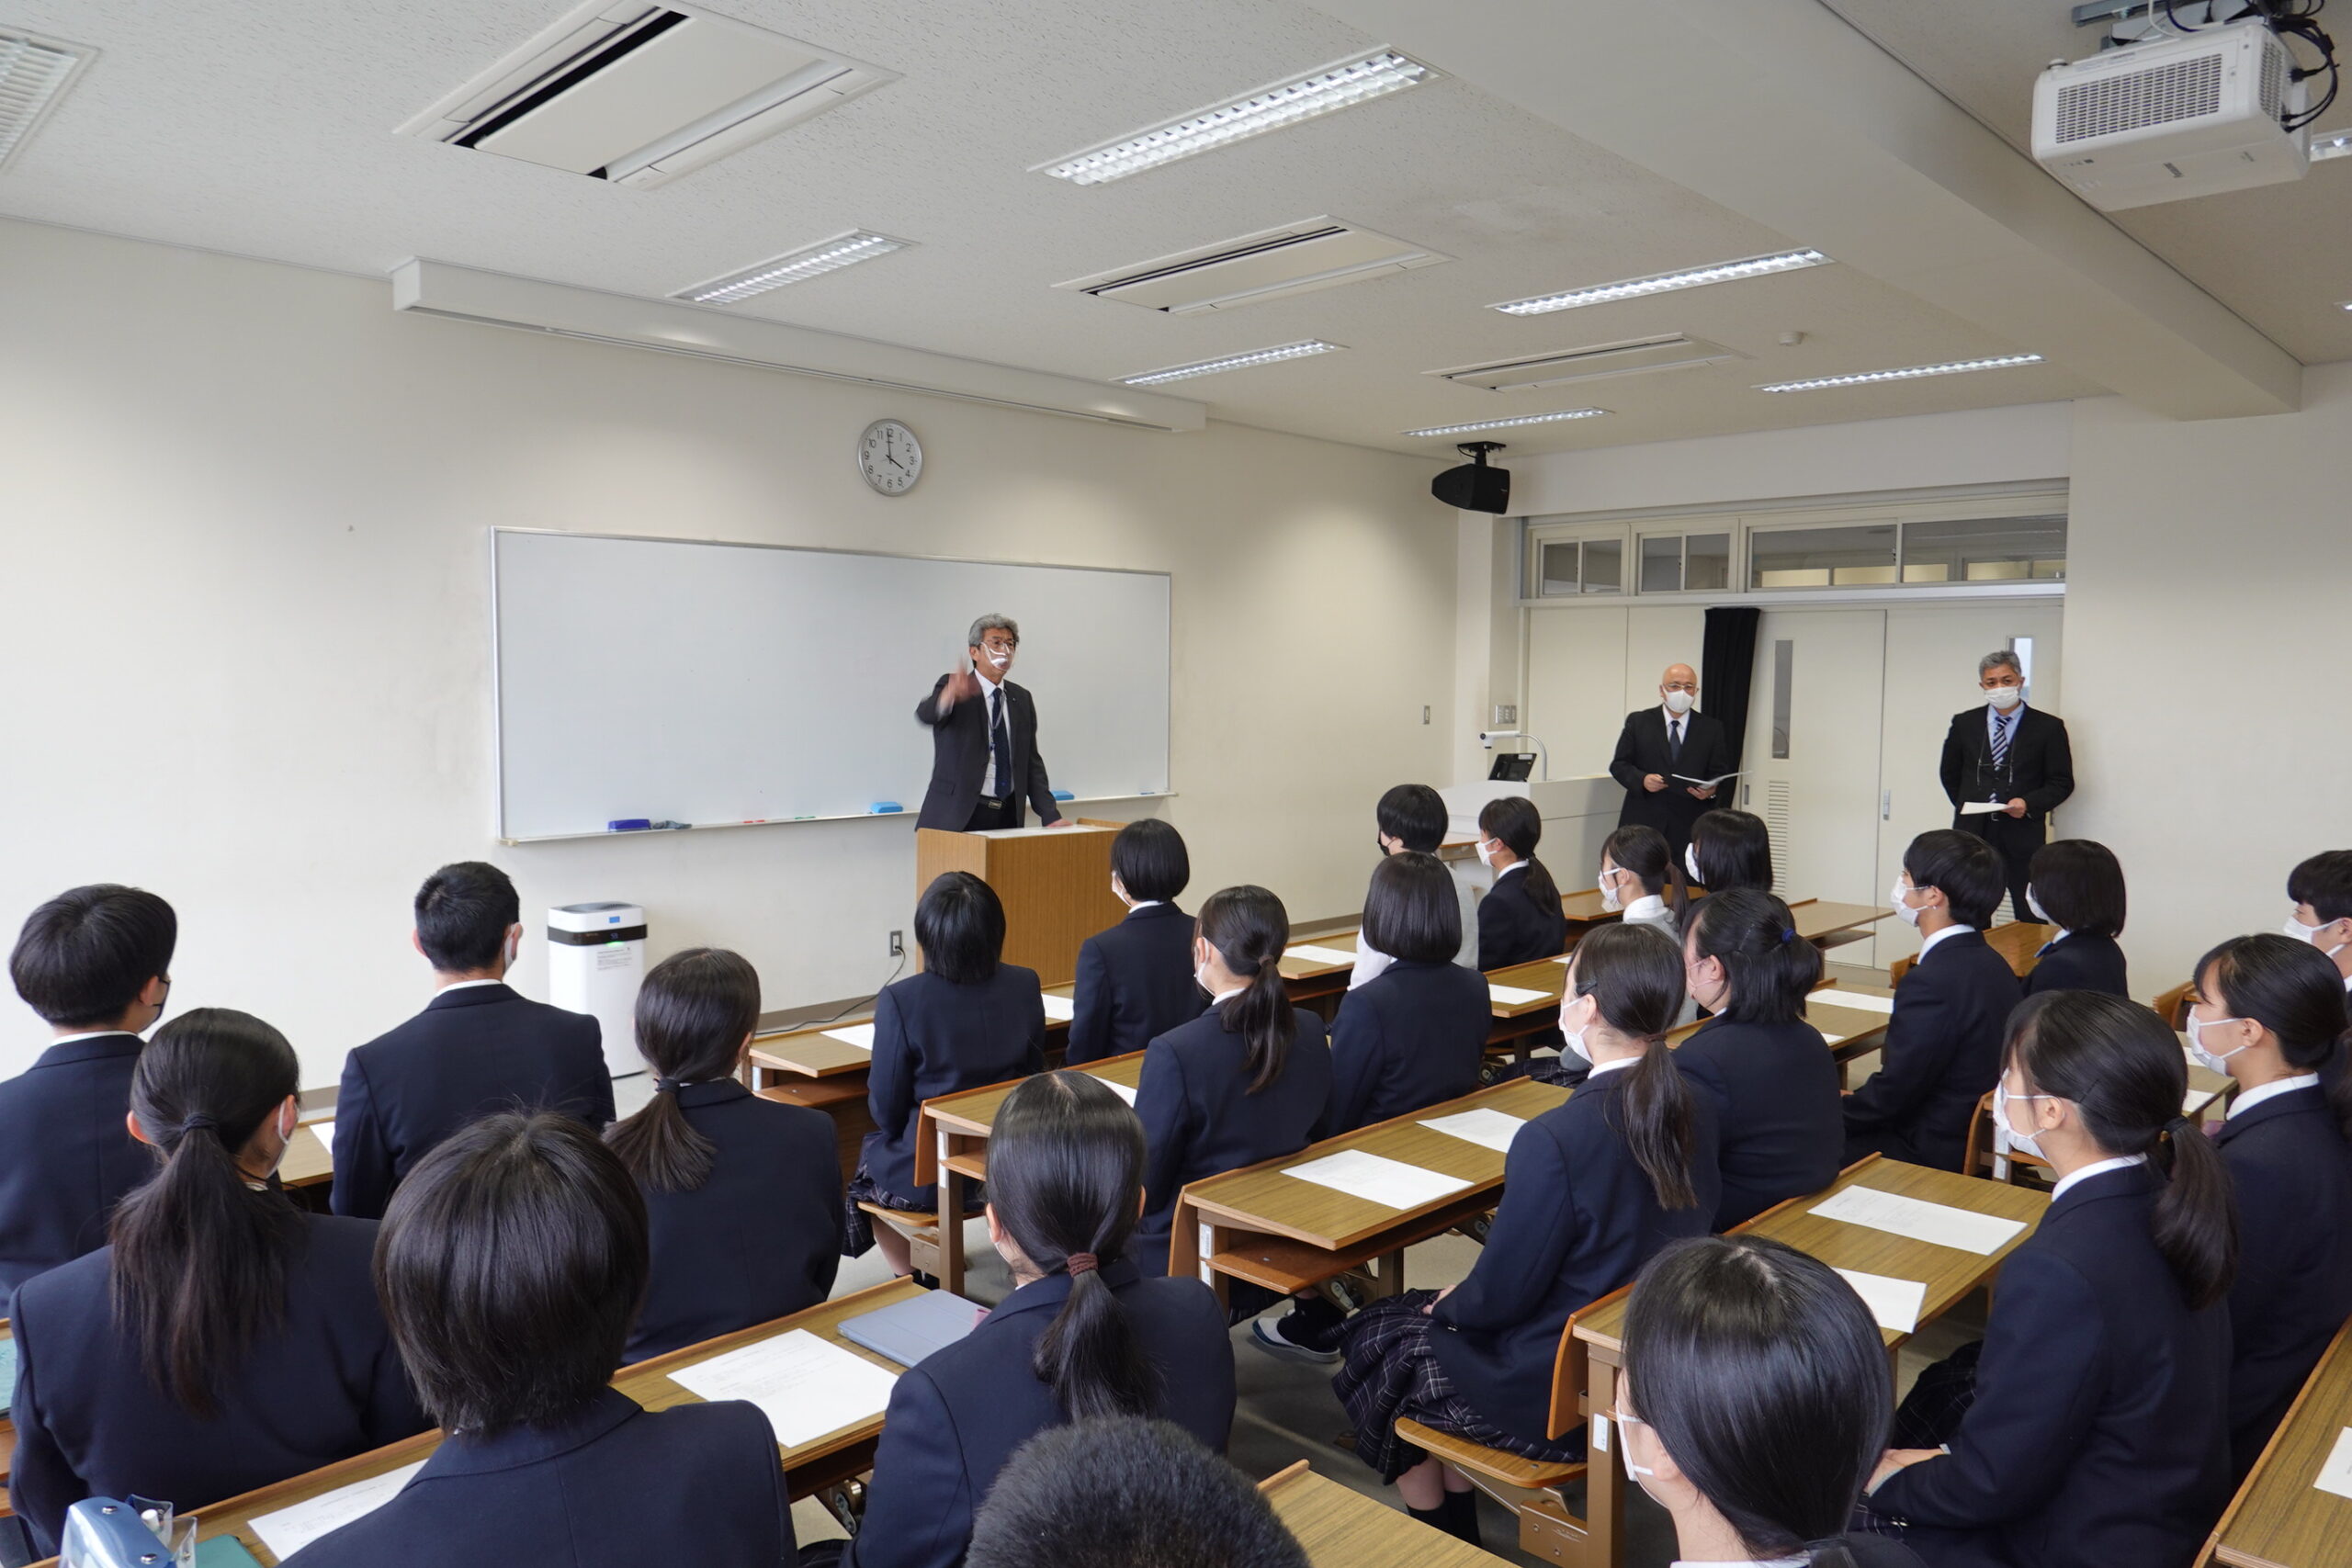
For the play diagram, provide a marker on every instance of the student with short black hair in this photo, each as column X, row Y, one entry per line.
column 1775, row 1085
column 2076, row 885
column 967, row 1020
column 742, row 1195
column 224, row 1339
column 1591, row 1188
column 1729, row 850
column 1412, row 818
column 1135, row 980
column 2269, row 1011
column 510, row 1267
column 1520, row 920
column 1639, row 876
column 2320, row 889
column 2098, row 1433
column 1943, row 1042
column 95, row 962
column 479, row 1047
column 1086, row 1334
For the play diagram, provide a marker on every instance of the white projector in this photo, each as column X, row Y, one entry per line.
column 2164, row 121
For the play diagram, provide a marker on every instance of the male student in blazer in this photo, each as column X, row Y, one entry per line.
column 1661, row 750
column 94, row 964
column 984, row 741
column 2012, row 755
column 478, row 1047
column 1135, row 980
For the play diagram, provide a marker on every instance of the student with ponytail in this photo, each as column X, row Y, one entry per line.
column 1729, row 850
column 225, row 1340
column 2097, row 1432
column 1520, row 920
column 742, row 1195
column 1639, row 876
column 2269, row 1011
column 1086, row 1334
column 1591, row 1188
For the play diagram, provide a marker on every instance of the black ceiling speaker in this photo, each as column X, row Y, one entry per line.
column 1474, row 487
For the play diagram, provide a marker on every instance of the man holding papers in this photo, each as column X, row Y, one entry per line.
column 2007, row 767
column 1671, row 760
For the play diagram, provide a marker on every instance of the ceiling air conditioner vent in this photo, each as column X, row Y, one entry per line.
column 1318, row 252
column 1672, row 352
column 639, row 94
column 34, row 74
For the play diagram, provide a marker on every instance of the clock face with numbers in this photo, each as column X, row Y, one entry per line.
column 889, row 456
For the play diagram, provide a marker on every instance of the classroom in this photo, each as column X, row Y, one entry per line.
column 1231, row 785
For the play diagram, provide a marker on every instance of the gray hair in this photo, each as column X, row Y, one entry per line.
column 1984, row 666
column 988, row 624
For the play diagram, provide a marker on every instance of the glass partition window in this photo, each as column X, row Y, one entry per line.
column 1582, row 566
column 1680, row 563
column 1985, row 549
column 1863, row 556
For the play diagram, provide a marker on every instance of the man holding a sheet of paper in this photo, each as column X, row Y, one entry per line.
column 2007, row 766
column 1672, row 759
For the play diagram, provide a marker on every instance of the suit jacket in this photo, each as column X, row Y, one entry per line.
column 1515, row 929
column 959, row 758
column 2292, row 1175
column 2096, row 1437
column 1578, row 1220
column 1199, row 1119
column 1777, row 1102
column 761, row 1239
column 1641, row 749
column 2041, row 767
column 474, row 1051
column 2080, row 962
column 69, row 1159
column 1410, row 1039
column 1943, row 1054
column 616, row 1487
column 326, row 1384
column 956, row 1419
column 932, row 1037
column 1135, row 982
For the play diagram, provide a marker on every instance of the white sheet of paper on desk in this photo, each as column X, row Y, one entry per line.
column 807, row 1386
column 1391, row 1183
column 1060, row 1007
column 289, row 1531
column 1860, row 1001
column 2197, row 1099
column 323, row 1130
column 1122, row 1090
column 1939, row 1225
column 858, row 1035
column 1512, row 996
column 1485, row 1126
column 1308, row 953
column 1833, row 1040
column 1983, row 808
column 2336, row 1475
column 1895, row 1302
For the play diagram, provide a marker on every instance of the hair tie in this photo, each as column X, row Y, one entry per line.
column 2175, row 1127
column 200, row 1121
column 1082, row 1263
column 668, row 1086
column 1788, row 935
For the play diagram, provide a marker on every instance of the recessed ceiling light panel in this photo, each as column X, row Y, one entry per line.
column 794, row 266
column 1663, row 283
column 34, row 74
column 1908, row 372
column 1231, row 362
column 1507, row 424
column 2334, row 145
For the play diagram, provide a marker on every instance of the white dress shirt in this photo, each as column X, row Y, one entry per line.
column 989, row 690
column 2096, row 1168
column 1927, row 944
column 2248, row 1098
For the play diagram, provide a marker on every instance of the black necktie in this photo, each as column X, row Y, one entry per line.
column 1000, row 743
column 1674, row 741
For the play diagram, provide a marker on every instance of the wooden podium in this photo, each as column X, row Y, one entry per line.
column 1055, row 883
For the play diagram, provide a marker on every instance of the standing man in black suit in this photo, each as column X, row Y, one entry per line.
column 984, row 741
column 1660, row 743
column 2007, row 754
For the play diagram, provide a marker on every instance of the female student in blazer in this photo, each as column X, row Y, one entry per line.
column 1135, row 981
column 1775, row 1086
column 2269, row 1011
column 1085, row 1332
column 2076, row 885
column 509, row 1264
column 226, row 1339
column 1638, row 876
column 1520, row 920
column 1247, row 1081
column 2098, row 1434
column 1776, row 1483
column 742, row 1196
column 1591, row 1188
column 1729, row 850
column 966, row 1021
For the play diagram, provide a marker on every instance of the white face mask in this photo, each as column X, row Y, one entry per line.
column 1896, row 896
column 1691, row 864
column 2034, row 905
column 1609, row 899
column 1678, row 702
column 2302, row 932
column 1641, row 1473
column 2211, row 1061
column 2024, row 1143
column 1486, row 859
column 1575, row 1037
column 1000, row 662
column 2004, row 697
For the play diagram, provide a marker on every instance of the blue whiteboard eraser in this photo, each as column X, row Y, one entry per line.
column 884, row 807
column 629, row 825
column 1064, row 795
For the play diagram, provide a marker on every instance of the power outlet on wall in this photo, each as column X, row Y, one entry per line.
column 1506, row 713
column 898, row 944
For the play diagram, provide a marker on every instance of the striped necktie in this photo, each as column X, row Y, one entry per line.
column 2001, row 741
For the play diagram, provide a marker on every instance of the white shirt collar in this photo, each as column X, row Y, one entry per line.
column 2096, row 1168
column 469, row 985
column 1145, row 904
column 1515, row 865
column 1601, row 1067
column 1221, row 997
column 1645, row 908
column 2248, row 1098
column 1673, row 718
column 986, row 679
column 85, row 1035
column 1948, row 931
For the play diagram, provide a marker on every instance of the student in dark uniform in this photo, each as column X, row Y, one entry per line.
column 1640, row 876
column 1084, row 1333
column 2320, row 889
column 2098, row 1433
column 1774, row 1476
column 968, row 1021
column 1520, row 920
column 1943, row 1043
column 1591, row 1189
column 1729, row 850
column 1135, row 981
column 2269, row 1011
column 742, row 1196
column 94, row 964
column 510, row 1266
column 226, row 1339
column 1413, row 817
column 1773, row 1081
column 2076, row 885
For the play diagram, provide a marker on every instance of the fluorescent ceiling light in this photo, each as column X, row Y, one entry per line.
column 1231, row 362
column 1505, row 424
column 794, row 266
column 1334, row 86
column 1663, row 283
column 33, row 74
column 1908, row 372
column 2334, row 145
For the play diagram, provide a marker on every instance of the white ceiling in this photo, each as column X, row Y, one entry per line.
column 261, row 128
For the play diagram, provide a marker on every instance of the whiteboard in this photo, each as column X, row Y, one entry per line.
column 716, row 683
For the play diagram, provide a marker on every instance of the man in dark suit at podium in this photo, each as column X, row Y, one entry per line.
column 2012, row 756
column 1660, row 743
column 984, row 741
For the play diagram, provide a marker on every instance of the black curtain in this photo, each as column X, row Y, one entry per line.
column 1727, row 668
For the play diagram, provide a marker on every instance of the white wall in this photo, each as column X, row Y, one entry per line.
column 244, row 610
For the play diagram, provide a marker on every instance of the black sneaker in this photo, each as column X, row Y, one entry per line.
column 1273, row 1338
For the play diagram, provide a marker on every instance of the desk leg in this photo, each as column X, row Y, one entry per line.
column 950, row 1222
column 1390, row 1280
column 1604, row 1476
column 1211, row 1241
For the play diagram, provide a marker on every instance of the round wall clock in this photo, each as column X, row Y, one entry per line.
column 889, row 456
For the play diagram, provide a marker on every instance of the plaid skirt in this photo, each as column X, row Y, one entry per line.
column 857, row 1226
column 1389, row 1370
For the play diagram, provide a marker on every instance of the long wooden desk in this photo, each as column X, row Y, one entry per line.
column 307, row 1162
column 1827, row 924
column 2020, row 941
column 1339, row 1527
column 2280, row 1517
